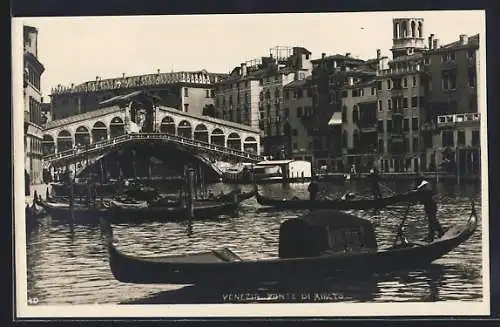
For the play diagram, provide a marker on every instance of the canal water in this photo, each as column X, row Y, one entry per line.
column 69, row 264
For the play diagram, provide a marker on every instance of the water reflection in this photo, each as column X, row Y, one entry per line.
column 68, row 264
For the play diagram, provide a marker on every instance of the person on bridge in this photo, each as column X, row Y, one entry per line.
column 426, row 196
column 313, row 188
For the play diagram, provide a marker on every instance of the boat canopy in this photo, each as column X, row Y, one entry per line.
column 325, row 231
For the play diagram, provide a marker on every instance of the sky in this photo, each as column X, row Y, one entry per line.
column 77, row 49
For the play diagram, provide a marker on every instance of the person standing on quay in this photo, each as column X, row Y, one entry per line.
column 313, row 188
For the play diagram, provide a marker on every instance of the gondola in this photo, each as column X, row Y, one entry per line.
column 116, row 214
column 234, row 195
column 338, row 204
column 320, row 244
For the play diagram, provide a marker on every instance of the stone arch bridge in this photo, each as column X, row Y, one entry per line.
column 87, row 137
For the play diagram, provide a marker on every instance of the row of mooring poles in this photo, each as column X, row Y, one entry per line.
column 190, row 192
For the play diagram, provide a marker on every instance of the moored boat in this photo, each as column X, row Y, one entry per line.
column 320, row 244
column 337, row 204
column 81, row 213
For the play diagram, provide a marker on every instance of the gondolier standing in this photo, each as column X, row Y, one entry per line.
column 374, row 179
column 426, row 197
column 313, row 188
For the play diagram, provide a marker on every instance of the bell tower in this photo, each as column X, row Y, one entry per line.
column 408, row 36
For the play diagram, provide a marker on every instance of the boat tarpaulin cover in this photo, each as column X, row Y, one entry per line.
column 336, row 119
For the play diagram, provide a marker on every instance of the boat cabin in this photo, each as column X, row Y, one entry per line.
column 323, row 232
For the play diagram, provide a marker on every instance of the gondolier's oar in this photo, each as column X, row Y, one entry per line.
column 401, row 225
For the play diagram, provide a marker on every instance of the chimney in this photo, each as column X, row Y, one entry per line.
column 431, row 41
column 348, row 54
column 463, row 39
column 243, row 70
column 123, row 75
column 378, row 54
column 323, row 55
column 436, row 43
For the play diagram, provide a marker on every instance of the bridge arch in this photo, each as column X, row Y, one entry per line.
column 82, row 136
column 99, row 132
column 234, row 141
column 218, row 137
column 185, row 130
column 116, row 127
column 64, row 141
column 201, row 133
column 250, row 144
column 167, row 125
column 48, row 145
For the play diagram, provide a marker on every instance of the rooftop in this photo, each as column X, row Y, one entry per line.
column 81, row 117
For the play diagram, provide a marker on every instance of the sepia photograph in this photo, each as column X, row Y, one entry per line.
column 265, row 165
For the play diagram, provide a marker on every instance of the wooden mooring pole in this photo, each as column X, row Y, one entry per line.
column 191, row 176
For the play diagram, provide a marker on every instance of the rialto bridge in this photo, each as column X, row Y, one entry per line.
column 134, row 119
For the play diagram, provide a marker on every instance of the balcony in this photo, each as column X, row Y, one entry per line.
column 397, row 136
column 368, row 127
column 399, row 71
column 458, row 119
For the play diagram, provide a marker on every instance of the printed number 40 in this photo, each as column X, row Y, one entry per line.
column 32, row 300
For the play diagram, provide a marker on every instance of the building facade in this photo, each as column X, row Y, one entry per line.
column 33, row 70
column 186, row 91
column 253, row 95
column 421, row 82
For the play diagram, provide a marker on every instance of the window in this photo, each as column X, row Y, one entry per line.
column 406, row 125
column 212, row 94
column 414, row 81
column 472, row 77
column 475, row 138
column 345, row 94
column 295, row 145
column 380, row 126
column 379, row 85
column 374, row 91
column 207, row 93
column 186, row 92
column 389, row 104
column 427, row 61
column 186, row 107
column 414, row 124
column 460, row 138
column 405, row 103
column 361, row 92
column 448, row 79
column 415, row 144
column 294, row 132
column 414, row 102
column 380, row 108
column 299, row 112
column 388, row 84
column 286, row 94
column 405, row 82
column 299, row 94
column 389, row 126
column 447, row 138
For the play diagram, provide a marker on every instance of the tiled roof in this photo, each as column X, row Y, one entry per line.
column 474, row 39
column 81, row 117
column 299, row 83
column 337, row 57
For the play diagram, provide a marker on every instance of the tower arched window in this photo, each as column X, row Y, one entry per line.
column 413, row 29
column 404, row 27
column 420, row 32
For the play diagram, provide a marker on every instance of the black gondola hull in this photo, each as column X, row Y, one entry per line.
column 362, row 204
column 210, row 269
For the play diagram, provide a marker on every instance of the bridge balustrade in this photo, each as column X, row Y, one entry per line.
column 141, row 136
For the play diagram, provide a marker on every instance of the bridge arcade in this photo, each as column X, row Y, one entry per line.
column 111, row 122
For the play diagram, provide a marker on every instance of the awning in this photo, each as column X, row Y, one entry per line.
column 336, row 119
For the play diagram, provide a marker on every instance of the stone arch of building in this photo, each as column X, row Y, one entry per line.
column 64, row 140
column 234, row 141
column 99, row 132
column 48, row 144
column 217, row 137
column 250, row 144
column 185, row 129
column 201, row 133
column 116, row 127
column 82, row 136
